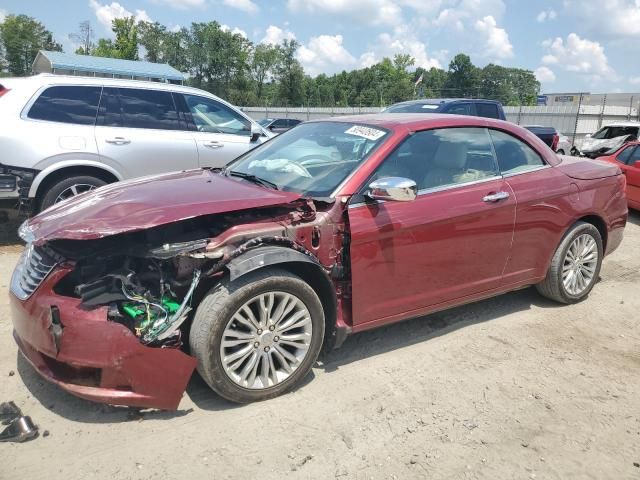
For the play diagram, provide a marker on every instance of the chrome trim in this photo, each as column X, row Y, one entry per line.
column 32, row 268
column 426, row 191
column 541, row 167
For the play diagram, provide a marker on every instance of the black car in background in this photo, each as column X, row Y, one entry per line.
column 475, row 107
column 279, row 125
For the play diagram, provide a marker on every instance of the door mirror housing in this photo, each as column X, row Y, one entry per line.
column 256, row 132
column 395, row 189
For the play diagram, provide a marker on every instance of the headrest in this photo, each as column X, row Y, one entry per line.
column 451, row 156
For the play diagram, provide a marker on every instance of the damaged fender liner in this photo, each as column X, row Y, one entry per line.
column 124, row 372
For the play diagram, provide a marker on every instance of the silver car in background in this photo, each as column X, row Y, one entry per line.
column 61, row 136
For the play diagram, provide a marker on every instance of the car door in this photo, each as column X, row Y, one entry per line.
column 543, row 210
column 630, row 165
column 451, row 242
column 140, row 132
column 221, row 134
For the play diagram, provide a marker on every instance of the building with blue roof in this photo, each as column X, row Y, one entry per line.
column 89, row 66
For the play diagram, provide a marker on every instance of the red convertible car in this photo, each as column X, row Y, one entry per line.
column 627, row 158
column 332, row 228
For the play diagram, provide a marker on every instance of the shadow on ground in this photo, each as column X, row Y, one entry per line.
column 9, row 223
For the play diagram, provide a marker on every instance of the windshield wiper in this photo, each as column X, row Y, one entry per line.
column 252, row 178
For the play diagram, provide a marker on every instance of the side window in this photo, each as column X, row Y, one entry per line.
column 442, row 157
column 514, row 156
column 487, row 110
column 635, row 157
column 460, row 109
column 293, row 122
column 211, row 116
column 67, row 104
column 281, row 123
column 138, row 108
column 623, row 156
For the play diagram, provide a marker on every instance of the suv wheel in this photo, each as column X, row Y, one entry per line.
column 575, row 265
column 259, row 336
column 68, row 188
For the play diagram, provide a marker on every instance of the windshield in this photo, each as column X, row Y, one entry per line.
column 313, row 158
column 265, row 121
column 413, row 108
column 613, row 132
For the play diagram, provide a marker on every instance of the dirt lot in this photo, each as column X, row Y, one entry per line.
column 514, row 387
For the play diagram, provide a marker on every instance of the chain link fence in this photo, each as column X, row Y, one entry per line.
column 586, row 114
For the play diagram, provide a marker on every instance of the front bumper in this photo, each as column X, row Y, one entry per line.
column 91, row 357
column 20, row 180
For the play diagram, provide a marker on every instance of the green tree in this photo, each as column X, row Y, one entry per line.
column 263, row 62
column 290, row 74
column 153, row 37
column 126, row 43
column 22, row 38
column 464, row 77
column 104, row 48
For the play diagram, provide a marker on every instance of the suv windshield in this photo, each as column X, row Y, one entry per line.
column 313, row 158
column 613, row 132
column 414, row 108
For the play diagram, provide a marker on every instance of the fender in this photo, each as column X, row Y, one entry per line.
column 66, row 164
column 268, row 255
column 261, row 257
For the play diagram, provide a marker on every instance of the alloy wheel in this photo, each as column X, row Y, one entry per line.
column 580, row 263
column 266, row 340
column 74, row 190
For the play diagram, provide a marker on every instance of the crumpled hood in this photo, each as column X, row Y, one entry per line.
column 148, row 202
column 594, row 144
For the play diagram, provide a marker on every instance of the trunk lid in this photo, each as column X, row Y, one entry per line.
column 148, row 202
column 586, row 169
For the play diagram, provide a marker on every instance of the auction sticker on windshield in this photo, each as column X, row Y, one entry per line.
column 366, row 132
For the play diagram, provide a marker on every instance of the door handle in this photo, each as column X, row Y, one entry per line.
column 213, row 144
column 118, row 140
column 496, row 197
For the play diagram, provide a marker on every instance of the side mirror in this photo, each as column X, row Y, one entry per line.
column 256, row 132
column 395, row 189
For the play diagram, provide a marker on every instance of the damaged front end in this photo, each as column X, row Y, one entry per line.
column 107, row 318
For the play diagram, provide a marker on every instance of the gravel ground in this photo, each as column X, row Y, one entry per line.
column 513, row 387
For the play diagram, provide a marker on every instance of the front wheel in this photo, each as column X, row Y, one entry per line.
column 575, row 265
column 68, row 188
column 259, row 336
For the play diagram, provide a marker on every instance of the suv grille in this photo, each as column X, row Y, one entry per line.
column 33, row 267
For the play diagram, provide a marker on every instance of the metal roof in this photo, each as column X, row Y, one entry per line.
column 115, row 66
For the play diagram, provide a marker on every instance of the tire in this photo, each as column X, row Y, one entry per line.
column 554, row 286
column 51, row 195
column 215, row 316
column 560, row 152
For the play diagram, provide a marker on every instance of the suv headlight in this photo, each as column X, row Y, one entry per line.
column 25, row 232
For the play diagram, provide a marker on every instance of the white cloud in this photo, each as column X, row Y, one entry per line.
column 244, row 5
column 401, row 41
column 547, row 15
column 182, row 4
column 497, row 41
column 613, row 18
column 577, row 54
column 235, row 30
column 108, row 12
column 634, row 80
column 325, row 54
column 459, row 13
column 3, row 15
column 373, row 12
column 544, row 74
column 275, row 35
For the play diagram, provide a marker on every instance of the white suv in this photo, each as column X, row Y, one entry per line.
column 61, row 136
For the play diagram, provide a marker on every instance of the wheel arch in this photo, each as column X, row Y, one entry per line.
column 61, row 170
column 600, row 225
column 304, row 266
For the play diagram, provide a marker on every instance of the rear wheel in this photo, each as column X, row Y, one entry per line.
column 69, row 188
column 560, row 152
column 257, row 337
column 575, row 265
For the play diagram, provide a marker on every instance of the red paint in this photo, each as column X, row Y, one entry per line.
column 405, row 259
column 149, row 202
column 632, row 172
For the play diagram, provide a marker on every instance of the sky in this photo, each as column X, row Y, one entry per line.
column 571, row 45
